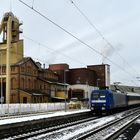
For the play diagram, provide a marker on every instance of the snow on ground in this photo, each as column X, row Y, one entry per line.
column 138, row 121
column 75, row 130
column 36, row 117
column 69, row 133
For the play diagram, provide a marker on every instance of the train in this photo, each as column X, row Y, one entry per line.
column 108, row 100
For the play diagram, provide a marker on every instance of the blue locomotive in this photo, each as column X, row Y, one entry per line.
column 108, row 100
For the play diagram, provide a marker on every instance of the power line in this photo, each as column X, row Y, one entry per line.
column 100, row 33
column 33, row 3
column 18, row 53
column 52, row 50
column 82, row 42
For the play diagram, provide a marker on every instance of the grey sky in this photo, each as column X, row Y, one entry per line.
column 117, row 20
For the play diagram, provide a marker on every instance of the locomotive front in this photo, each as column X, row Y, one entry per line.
column 100, row 101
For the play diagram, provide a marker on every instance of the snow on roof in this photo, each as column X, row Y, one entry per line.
column 133, row 94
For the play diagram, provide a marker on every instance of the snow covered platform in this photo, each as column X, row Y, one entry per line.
column 33, row 117
column 137, row 137
column 10, row 126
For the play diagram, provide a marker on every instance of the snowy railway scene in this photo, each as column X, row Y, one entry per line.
column 67, row 71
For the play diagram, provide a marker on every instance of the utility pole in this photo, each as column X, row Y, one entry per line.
column 65, row 89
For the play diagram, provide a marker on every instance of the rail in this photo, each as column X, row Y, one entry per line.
column 111, row 130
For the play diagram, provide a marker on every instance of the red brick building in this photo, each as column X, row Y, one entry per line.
column 79, row 79
column 82, row 76
column 102, row 74
column 60, row 69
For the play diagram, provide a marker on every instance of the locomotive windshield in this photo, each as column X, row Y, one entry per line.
column 98, row 95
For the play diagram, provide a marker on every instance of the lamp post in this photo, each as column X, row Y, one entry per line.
column 65, row 90
column 87, row 88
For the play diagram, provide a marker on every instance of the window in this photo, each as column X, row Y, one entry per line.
column 35, row 84
column 13, row 83
column 3, row 69
column 22, row 69
column 40, row 87
column 28, row 69
column 24, row 99
column 12, row 69
column 22, row 83
column 98, row 95
column 29, row 83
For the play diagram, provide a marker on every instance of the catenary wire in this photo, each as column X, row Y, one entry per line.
column 101, row 34
column 52, row 50
column 46, row 62
column 82, row 42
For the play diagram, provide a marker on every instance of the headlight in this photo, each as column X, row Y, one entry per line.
column 92, row 108
column 103, row 108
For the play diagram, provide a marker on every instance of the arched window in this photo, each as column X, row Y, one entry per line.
column 22, row 69
column 28, row 69
column 22, row 83
column 35, row 84
column 29, row 83
column 13, row 83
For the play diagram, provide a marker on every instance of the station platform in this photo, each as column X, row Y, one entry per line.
column 39, row 116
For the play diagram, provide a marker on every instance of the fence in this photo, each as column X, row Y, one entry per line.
column 13, row 109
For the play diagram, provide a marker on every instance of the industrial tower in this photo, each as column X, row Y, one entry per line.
column 11, row 47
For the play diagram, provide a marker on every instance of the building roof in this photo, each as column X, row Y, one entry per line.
column 52, row 82
column 34, row 92
column 124, row 88
column 98, row 65
column 26, row 59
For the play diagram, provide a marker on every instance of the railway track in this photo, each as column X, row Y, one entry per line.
column 111, row 130
column 49, row 123
column 98, row 128
column 86, row 128
column 51, row 129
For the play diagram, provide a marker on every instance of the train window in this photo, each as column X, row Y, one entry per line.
column 98, row 95
column 95, row 95
column 102, row 95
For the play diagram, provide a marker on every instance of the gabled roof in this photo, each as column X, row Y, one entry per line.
column 24, row 60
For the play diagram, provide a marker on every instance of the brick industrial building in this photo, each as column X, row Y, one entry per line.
column 22, row 80
column 80, row 79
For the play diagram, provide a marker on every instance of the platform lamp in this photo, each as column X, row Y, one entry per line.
column 65, row 91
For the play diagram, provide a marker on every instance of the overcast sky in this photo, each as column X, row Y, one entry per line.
column 117, row 20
